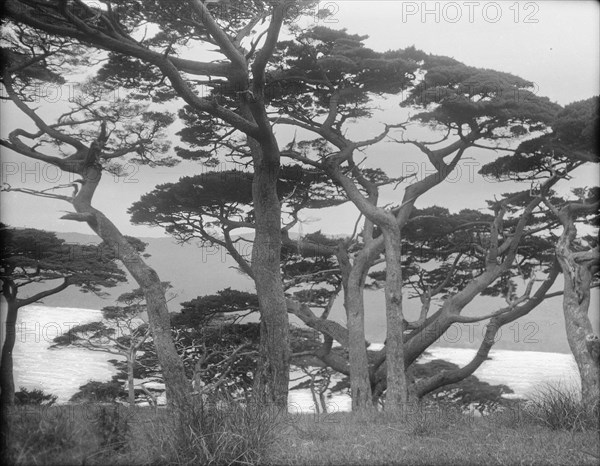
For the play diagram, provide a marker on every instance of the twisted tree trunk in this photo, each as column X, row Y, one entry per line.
column 272, row 376
column 357, row 351
column 396, row 395
column 577, row 269
column 177, row 385
column 130, row 376
column 271, row 380
column 7, row 383
column 353, row 280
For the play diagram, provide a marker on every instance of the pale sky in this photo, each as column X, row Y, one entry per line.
column 555, row 44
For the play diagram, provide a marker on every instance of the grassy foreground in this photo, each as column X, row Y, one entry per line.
column 431, row 439
column 96, row 434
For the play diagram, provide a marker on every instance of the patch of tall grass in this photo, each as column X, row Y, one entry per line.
column 214, row 433
column 40, row 437
column 217, row 433
column 560, row 407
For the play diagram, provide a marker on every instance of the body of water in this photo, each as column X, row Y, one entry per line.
column 62, row 371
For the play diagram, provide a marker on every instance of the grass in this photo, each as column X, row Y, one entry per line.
column 112, row 434
column 559, row 407
column 231, row 434
column 347, row 439
column 212, row 435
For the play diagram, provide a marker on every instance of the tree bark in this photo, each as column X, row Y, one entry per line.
column 396, row 394
column 391, row 222
column 353, row 281
column 271, row 379
column 577, row 271
column 130, row 386
column 7, row 383
column 360, row 383
column 177, row 385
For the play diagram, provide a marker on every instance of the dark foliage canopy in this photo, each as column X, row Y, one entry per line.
column 34, row 256
column 573, row 141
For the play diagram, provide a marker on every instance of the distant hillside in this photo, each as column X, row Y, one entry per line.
column 194, row 271
column 191, row 269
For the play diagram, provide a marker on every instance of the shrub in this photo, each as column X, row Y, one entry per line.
column 113, row 427
column 34, row 397
column 560, row 408
column 215, row 433
column 36, row 437
column 95, row 391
